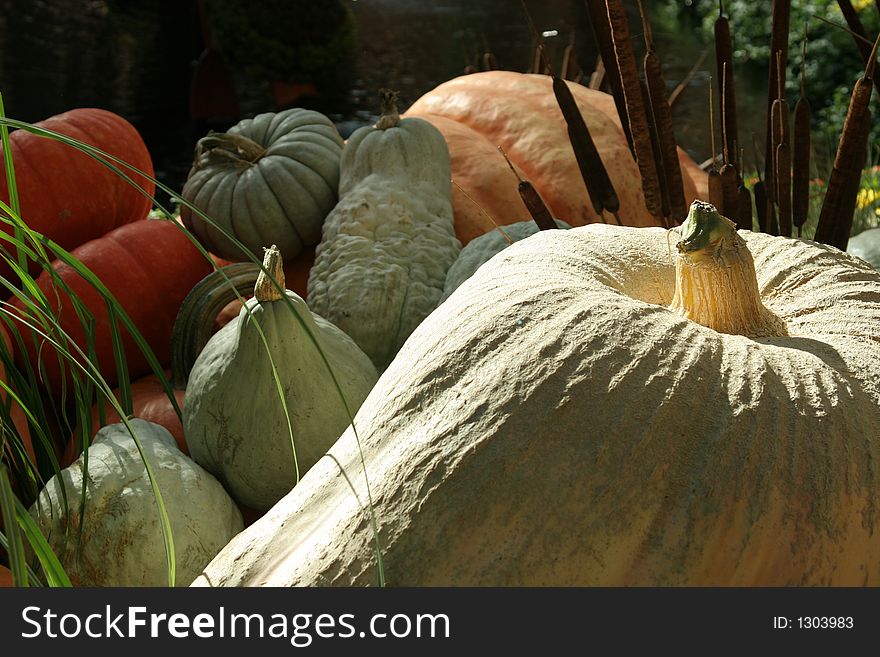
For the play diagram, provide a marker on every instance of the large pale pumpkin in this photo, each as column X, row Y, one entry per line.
column 554, row 422
column 121, row 541
column 234, row 421
column 387, row 245
column 482, row 112
column 269, row 180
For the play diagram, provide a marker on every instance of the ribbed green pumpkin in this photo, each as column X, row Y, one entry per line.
column 234, row 421
column 269, row 180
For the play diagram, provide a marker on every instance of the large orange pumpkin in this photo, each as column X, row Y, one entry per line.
column 67, row 195
column 149, row 266
column 518, row 112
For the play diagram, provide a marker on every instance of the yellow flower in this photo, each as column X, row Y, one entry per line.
column 867, row 197
column 859, row 5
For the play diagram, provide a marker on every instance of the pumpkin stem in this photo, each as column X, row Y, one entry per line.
column 227, row 146
column 715, row 281
column 388, row 105
column 264, row 289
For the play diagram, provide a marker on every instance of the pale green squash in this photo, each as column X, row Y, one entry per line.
column 234, row 421
column 387, row 245
column 481, row 249
column 866, row 245
column 122, row 542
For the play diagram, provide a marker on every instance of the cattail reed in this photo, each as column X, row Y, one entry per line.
column 780, row 18
column 602, row 36
column 729, row 191
column 761, row 206
column 538, row 210
column 781, row 157
column 598, row 184
column 801, row 153
column 635, row 108
column 672, row 189
column 656, row 155
column 724, row 71
column 838, row 207
column 730, row 178
column 716, row 193
column 857, row 30
column 743, row 217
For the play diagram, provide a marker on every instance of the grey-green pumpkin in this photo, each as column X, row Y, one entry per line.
column 481, row 249
column 234, row 420
column 268, row 180
column 121, row 541
column 866, row 245
column 387, row 245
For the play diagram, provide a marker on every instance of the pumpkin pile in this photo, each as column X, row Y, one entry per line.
column 530, row 406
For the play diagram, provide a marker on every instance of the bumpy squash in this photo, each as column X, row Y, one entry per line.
column 67, row 195
column 269, row 180
column 518, row 112
column 121, row 541
column 387, row 245
column 554, row 422
column 234, row 421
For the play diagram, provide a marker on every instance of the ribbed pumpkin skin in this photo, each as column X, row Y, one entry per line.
column 149, row 266
column 280, row 199
column 387, row 245
column 122, row 543
column 234, row 421
column 482, row 112
column 550, row 425
column 67, row 195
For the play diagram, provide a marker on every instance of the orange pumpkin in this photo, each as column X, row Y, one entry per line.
column 149, row 402
column 69, row 196
column 15, row 411
column 517, row 112
column 149, row 266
